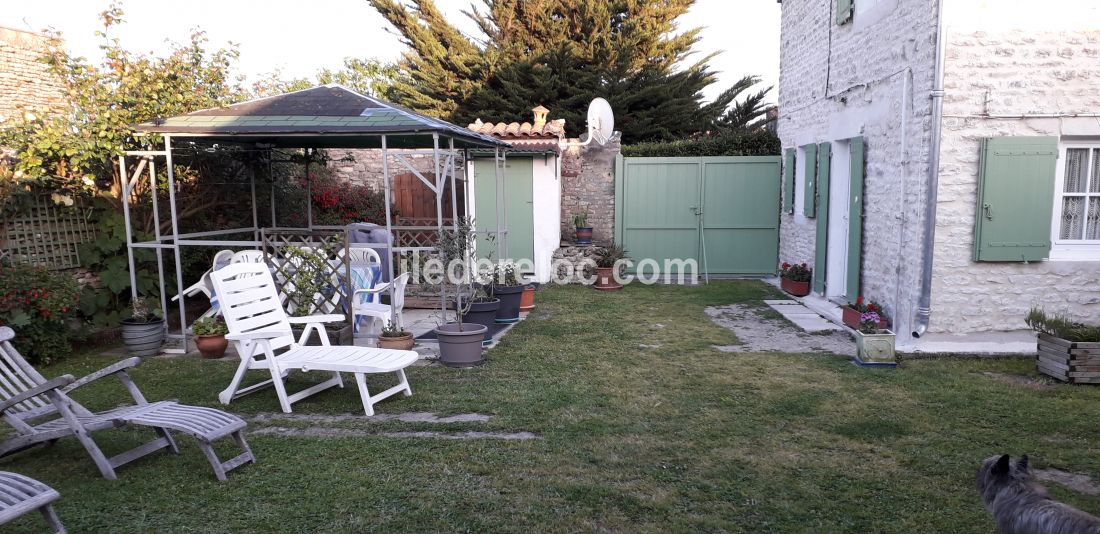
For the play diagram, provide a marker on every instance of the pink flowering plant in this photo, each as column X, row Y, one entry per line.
column 868, row 322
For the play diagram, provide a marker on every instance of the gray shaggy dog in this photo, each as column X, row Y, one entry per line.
column 1021, row 506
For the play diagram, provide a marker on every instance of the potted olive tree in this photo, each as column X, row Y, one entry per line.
column 459, row 342
column 508, row 288
column 482, row 308
column 608, row 266
column 210, row 336
column 395, row 337
column 143, row 332
column 584, row 232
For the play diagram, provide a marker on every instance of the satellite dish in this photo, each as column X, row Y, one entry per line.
column 601, row 121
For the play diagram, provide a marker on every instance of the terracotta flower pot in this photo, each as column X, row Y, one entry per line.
column 850, row 316
column 798, row 289
column 404, row 342
column 527, row 300
column 605, row 279
column 212, row 346
column 584, row 235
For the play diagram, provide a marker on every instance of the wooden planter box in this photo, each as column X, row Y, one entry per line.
column 851, row 319
column 798, row 289
column 1068, row 361
column 877, row 348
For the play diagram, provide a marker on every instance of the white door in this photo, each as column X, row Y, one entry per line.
column 836, row 255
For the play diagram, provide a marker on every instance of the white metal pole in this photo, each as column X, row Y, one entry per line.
column 175, row 237
column 454, row 191
column 255, row 208
column 126, row 219
column 156, row 234
column 309, row 193
column 271, row 178
column 389, row 225
column 439, row 221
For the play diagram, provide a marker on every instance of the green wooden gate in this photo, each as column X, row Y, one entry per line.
column 723, row 212
column 518, row 208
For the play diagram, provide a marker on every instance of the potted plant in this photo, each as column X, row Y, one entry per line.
column 482, row 308
column 874, row 345
column 851, row 313
column 795, row 279
column 210, row 336
column 608, row 266
column 143, row 332
column 1066, row 349
column 527, row 300
column 459, row 342
column 395, row 337
column 584, row 232
column 508, row 288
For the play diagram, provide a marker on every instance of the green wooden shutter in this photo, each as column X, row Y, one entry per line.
column 788, row 182
column 809, row 192
column 843, row 11
column 855, row 216
column 824, row 151
column 1015, row 198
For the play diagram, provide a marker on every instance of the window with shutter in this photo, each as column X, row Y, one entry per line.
column 809, row 191
column 788, row 181
column 1015, row 198
column 1075, row 227
column 843, row 11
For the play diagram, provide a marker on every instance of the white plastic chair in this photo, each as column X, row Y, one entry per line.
column 221, row 259
column 260, row 327
column 377, row 310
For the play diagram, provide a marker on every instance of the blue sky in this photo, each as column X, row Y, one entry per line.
column 298, row 38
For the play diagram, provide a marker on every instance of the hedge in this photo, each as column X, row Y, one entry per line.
column 729, row 144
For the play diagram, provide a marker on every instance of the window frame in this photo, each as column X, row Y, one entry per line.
column 1073, row 249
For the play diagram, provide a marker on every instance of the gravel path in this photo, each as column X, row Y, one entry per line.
column 764, row 334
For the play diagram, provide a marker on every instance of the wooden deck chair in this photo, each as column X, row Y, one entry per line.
column 260, row 327
column 27, row 399
column 20, row 495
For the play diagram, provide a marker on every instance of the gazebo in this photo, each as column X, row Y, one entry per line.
column 323, row 117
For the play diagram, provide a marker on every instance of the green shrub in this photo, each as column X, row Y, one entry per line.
column 35, row 302
column 1062, row 326
column 725, row 144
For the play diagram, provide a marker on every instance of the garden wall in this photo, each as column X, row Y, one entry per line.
column 588, row 184
column 26, row 83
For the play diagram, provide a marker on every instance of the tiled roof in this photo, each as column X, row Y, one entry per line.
column 319, row 111
column 515, row 130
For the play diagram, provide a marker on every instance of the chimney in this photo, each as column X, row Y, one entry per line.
column 540, row 116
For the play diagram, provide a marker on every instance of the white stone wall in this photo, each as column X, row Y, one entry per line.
column 993, row 69
column 872, row 78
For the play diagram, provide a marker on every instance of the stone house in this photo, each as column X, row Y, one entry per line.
column 943, row 159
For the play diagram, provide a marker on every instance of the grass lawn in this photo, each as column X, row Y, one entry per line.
column 671, row 438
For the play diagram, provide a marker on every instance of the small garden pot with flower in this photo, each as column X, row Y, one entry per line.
column 395, row 337
column 851, row 313
column 143, row 332
column 210, row 337
column 875, row 346
column 795, row 279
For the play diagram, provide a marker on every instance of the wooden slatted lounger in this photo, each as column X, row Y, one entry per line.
column 28, row 397
column 19, row 495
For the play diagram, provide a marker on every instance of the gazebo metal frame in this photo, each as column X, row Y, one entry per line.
column 413, row 141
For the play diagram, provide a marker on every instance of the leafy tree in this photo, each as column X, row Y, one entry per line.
column 367, row 76
column 561, row 54
column 79, row 149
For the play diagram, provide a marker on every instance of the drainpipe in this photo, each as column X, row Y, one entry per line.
column 924, row 304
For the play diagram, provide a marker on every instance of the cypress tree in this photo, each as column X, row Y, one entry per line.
column 561, row 54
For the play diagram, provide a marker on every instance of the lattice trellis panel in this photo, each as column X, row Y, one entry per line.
column 311, row 269
column 47, row 235
column 417, row 232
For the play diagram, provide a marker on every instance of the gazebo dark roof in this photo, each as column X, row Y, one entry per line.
column 327, row 116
